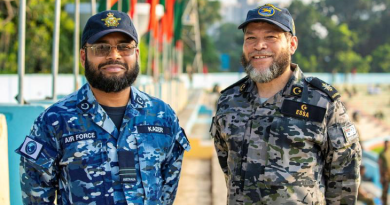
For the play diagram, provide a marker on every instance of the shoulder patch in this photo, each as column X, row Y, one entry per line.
column 31, row 148
column 324, row 87
column 238, row 83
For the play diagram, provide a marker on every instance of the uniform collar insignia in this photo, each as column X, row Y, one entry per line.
column 84, row 105
column 296, row 90
column 111, row 20
column 139, row 100
column 242, row 87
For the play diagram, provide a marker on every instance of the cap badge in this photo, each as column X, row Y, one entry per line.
column 267, row 10
column 111, row 20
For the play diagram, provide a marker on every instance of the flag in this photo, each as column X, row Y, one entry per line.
column 132, row 7
column 167, row 21
column 178, row 13
column 114, row 5
column 153, row 23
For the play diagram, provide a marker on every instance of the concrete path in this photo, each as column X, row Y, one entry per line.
column 202, row 181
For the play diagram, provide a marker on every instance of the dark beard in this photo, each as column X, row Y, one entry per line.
column 277, row 68
column 110, row 84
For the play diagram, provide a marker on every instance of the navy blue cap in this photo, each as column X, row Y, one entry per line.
column 107, row 22
column 272, row 14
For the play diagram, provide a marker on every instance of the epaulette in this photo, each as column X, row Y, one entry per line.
column 238, row 83
column 324, row 87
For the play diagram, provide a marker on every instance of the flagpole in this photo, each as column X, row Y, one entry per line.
column 76, row 43
column 93, row 7
column 150, row 55
column 21, row 50
column 119, row 5
column 108, row 5
column 56, row 42
column 165, row 54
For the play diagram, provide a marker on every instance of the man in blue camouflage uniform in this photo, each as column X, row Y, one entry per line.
column 282, row 138
column 107, row 143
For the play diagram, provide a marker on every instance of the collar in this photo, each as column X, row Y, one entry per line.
column 296, row 80
column 295, row 84
column 87, row 104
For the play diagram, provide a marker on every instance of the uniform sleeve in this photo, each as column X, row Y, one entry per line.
column 37, row 171
column 343, row 157
column 220, row 147
column 172, row 166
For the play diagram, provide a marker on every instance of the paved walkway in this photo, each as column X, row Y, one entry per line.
column 202, row 181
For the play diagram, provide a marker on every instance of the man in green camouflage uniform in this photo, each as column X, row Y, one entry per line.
column 384, row 170
column 282, row 138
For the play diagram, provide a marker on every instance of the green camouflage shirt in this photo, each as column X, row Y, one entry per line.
column 298, row 147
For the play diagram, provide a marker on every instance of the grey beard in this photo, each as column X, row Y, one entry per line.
column 277, row 68
column 263, row 76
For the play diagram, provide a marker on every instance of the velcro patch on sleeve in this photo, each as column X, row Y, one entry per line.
column 154, row 129
column 31, row 148
column 350, row 132
column 303, row 110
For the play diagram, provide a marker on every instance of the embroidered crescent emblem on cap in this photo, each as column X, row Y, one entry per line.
column 111, row 20
column 31, row 148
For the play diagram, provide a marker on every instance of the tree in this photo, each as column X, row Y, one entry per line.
column 229, row 40
column 326, row 44
column 207, row 16
column 381, row 59
column 39, row 34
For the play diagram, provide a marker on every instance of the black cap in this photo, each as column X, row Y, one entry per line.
column 107, row 22
column 272, row 14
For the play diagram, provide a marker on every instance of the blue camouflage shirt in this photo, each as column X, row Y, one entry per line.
column 75, row 153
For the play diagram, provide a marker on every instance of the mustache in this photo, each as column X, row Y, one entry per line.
column 112, row 62
column 254, row 53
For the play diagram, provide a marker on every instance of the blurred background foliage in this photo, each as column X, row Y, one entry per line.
column 334, row 36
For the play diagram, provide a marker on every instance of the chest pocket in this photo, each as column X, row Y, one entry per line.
column 233, row 128
column 82, row 167
column 154, row 142
column 80, row 150
column 293, row 151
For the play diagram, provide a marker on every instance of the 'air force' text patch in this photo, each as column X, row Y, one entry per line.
column 79, row 137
